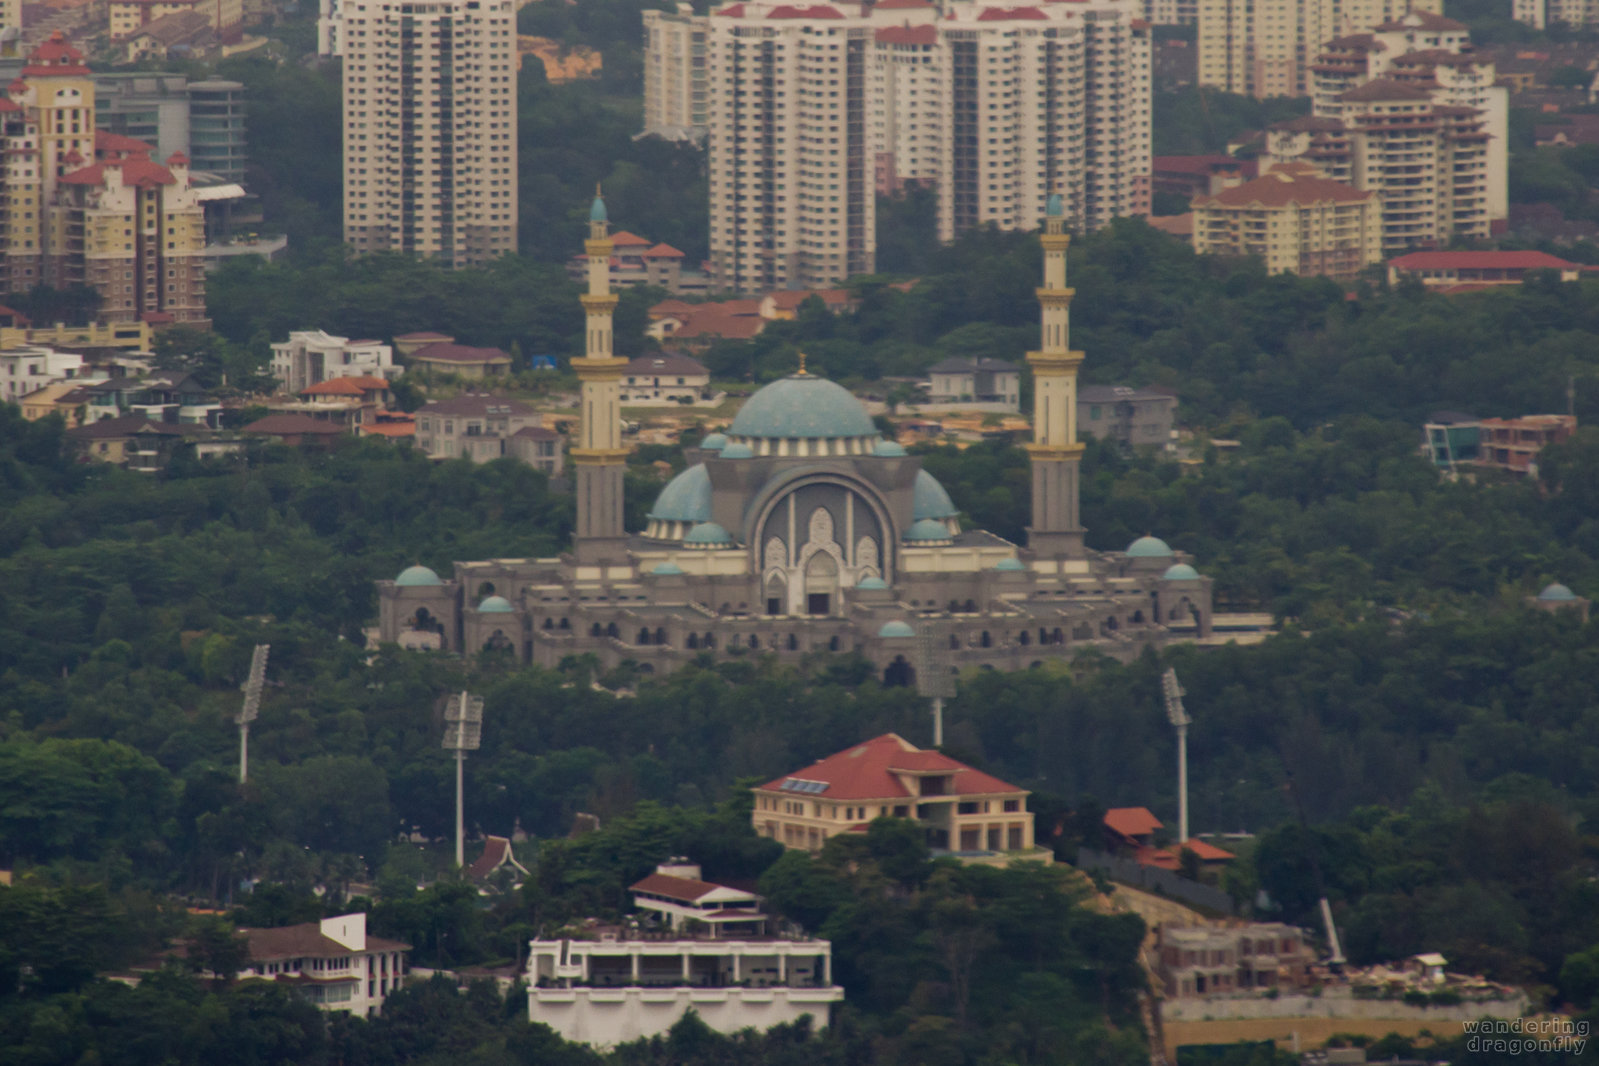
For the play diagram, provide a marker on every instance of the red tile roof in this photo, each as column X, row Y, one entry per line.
column 444, row 352
column 1000, row 14
column 914, row 35
column 424, row 335
column 1131, row 821
column 55, row 57
column 389, row 429
column 1385, row 89
column 137, row 170
column 663, row 251
column 1206, row 852
column 865, row 772
column 367, row 381
column 1282, row 186
column 496, row 853
column 686, row 889
column 476, row 403
column 672, row 308
column 721, row 324
column 1193, row 164
column 815, row 11
column 1481, row 261
column 306, row 941
column 897, row 5
column 1422, row 20
column 292, row 425
column 333, row 387
column 734, row 12
column 116, row 142
column 623, row 239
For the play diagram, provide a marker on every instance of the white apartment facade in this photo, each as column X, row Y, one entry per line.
column 29, row 368
column 1266, row 48
column 330, row 28
column 675, row 94
column 312, row 356
column 1541, row 14
column 814, row 109
column 430, row 158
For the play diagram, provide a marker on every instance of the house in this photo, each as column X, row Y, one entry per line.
column 1203, row 960
column 785, row 305
column 332, row 963
column 637, row 261
column 959, row 809
column 347, row 402
column 1189, row 176
column 29, row 368
column 407, row 343
column 1132, row 417
column 1513, row 444
column 64, row 398
column 1450, row 438
column 1130, row 828
column 497, row 855
column 482, row 428
column 698, row 946
column 975, row 385
column 666, row 378
column 133, row 441
column 296, row 430
column 171, row 396
column 447, row 357
column 1446, row 271
column 312, row 356
column 700, row 325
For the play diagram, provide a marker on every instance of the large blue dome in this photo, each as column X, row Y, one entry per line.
column 802, row 405
column 1557, row 593
column 1149, row 548
column 929, row 500
column 686, row 498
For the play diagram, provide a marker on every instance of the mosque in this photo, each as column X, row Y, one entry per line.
column 802, row 529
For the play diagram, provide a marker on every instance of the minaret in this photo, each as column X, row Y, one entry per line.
column 598, row 455
column 1056, row 533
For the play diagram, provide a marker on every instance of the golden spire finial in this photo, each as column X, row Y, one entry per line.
column 596, row 188
column 801, row 371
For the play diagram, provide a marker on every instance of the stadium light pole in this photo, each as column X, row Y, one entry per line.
column 463, row 732
column 252, row 706
column 1178, row 716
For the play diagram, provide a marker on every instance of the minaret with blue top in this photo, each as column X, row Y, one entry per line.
column 598, row 456
column 1056, row 534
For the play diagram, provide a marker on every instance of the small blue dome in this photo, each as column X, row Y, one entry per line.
column 802, row 405
column 1009, row 565
column 666, row 569
column 417, row 576
column 715, row 442
column 1557, row 593
column 896, row 629
column 1149, row 548
column 1180, row 572
column 495, row 605
column 927, row 529
column 929, row 500
column 737, row 451
column 686, row 498
column 707, row 533
column 597, row 211
column 871, row 583
column 1055, row 207
column 889, row 448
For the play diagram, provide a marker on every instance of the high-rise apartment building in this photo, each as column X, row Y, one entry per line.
column 85, row 207
column 1541, row 14
column 1265, row 48
column 813, row 110
column 216, row 128
column 430, row 128
column 676, row 104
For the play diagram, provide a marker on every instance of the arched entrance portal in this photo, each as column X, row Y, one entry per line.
column 821, row 584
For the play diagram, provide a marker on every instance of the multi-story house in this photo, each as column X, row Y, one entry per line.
column 814, row 109
column 1134, row 418
column 669, row 377
column 1266, row 48
column 700, row 946
column 1540, row 14
column 311, row 356
column 637, row 261
column 483, row 428
column 333, row 963
column 975, row 384
column 676, row 97
column 430, row 128
column 1293, row 219
column 1203, row 960
column 29, row 368
column 958, row 808
column 169, row 397
column 88, row 208
column 127, row 17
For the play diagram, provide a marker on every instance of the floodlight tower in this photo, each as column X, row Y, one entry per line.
column 463, row 732
column 252, row 706
column 1179, row 718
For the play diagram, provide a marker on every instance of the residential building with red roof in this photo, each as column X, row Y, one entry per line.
column 313, row 356
column 960, row 809
column 95, row 209
column 462, row 360
column 693, row 945
column 333, row 963
column 1449, row 270
column 1294, row 220
column 638, row 261
column 482, row 427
